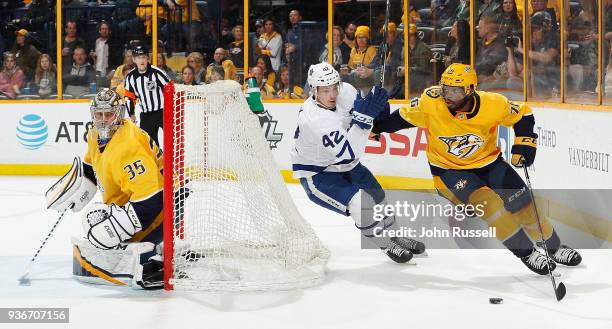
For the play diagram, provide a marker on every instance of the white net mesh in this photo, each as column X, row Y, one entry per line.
column 235, row 225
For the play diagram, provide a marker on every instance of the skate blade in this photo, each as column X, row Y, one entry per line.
column 424, row 254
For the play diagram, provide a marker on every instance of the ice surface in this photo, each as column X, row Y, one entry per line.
column 363, row 289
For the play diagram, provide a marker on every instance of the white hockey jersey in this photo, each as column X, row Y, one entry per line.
column 325, row 139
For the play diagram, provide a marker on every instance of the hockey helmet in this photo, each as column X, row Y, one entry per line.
column 107, row 111
column 321, row 75
column 139, row 50
column 459, row 75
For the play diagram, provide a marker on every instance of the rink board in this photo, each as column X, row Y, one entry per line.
column 573, row 149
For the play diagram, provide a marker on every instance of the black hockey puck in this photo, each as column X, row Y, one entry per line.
column 493, row 300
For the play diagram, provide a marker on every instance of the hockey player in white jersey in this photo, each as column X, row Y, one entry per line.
column 332, row 131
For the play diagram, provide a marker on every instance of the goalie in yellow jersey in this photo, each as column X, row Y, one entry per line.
column 467, row 166
column 122, row 231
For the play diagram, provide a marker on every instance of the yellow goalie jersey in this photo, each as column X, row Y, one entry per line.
column 128, row 168
column 462, row 140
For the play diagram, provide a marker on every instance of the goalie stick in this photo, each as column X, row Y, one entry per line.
column 24, row 279
column 559, row 290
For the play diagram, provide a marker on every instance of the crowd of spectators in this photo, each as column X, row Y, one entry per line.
column 439, row 34
column 198, row 47
column 499, row 46
column 97, row 39
column 285, row 42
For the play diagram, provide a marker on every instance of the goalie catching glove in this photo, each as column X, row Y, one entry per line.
column 74, row 190
column 106, row 226
column 524, row 151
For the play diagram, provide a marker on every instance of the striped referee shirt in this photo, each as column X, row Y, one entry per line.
column 147, row 88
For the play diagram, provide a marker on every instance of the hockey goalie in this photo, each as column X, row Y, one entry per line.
column 121, row 233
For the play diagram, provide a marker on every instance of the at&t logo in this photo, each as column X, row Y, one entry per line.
column 32, row 131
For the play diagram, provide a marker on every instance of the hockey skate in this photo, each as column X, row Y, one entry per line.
column 398, row 252
column 537, row 263
column 566, row 256
column 153, row 274
column 415, row 247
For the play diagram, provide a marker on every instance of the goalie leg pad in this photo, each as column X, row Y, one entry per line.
column 72, row 189
column 118, row 267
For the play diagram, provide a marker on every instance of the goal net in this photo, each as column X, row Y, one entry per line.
column 229, row 222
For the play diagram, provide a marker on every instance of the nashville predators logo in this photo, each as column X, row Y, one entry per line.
column 461, row 184
column 462, row 146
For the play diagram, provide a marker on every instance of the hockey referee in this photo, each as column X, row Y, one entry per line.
column 146, row 83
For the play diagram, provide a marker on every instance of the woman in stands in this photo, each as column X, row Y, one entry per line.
column 11, row 76
column 188, row 75
column 45, row 76
column 161, row 64
column 265, row 64
column 285, row 89
column 509, row 20
column 458, row 45
column 196, row 61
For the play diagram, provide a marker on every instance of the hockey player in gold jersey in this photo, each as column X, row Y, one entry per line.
column 127, row 164
column 121, row 232
column 467, row 165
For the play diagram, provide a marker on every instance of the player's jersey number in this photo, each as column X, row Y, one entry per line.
column 335, row 138
column 135, row 169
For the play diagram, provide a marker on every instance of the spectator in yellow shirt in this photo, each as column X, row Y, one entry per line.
column 145, row 12
column 363, row 53
column 179, row 12
column 287, row 90
column 220, row 60
column 268, row 74
column 267, row 91
column 117, row 82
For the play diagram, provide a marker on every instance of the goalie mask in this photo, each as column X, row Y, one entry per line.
column 322, row 75
column 107, row 111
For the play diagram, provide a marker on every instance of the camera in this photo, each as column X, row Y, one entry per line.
column 512, row 41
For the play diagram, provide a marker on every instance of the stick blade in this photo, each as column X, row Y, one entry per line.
column 560, row 291
column 24, row 280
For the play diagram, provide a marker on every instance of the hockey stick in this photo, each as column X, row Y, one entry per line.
column 384, row 45
column 24, row 280
column 559, row 290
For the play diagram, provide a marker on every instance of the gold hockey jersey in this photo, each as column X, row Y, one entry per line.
column 462, row 140
column 129, row 167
